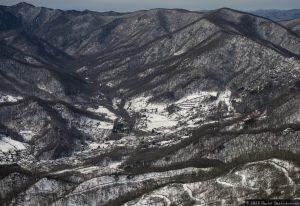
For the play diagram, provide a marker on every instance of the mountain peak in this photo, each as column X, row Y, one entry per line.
column 24, row 4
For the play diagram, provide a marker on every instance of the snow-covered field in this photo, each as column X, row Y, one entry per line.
column 102, row 110
column 7, row 144
column 9, row 98
column 11, row 150
column 189, row 110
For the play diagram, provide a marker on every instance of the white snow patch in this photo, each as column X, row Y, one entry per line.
column 137, row 104
column 157, row 108
column 110, row 84
column 95, row 127
column 167, row 142
column 142, row 104
column 31, row 60
column 225, row 97
column 7, row 144
column 105, row 111
column 114, row 165
column 9, row 98
column 27, row 135
column 88, row 170
column 191, row 103
column 63, row 171
column 197, row 95
column 105, row 125
column 179, row 52
column 154, row 115
column 116, row 102
column 82, row 69
column 95, row 145
column 159, row 121
column 187, row 110
column 223, row 182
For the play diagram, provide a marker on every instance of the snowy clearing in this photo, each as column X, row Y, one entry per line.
column 179, row 52
column 158, row 121
column 225, row 97
column 9, row 98
column 27, row 135
column 7, row 144
column 105, row 111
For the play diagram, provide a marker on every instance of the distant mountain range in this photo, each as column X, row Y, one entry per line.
column 273, row 14
column 278, row 15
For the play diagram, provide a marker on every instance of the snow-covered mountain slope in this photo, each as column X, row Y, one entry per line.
column 293, row 24
column 156, row 107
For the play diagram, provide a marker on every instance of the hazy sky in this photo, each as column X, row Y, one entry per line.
column 132, row 5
